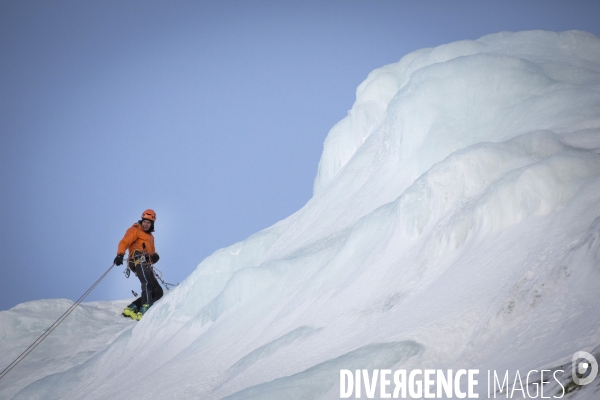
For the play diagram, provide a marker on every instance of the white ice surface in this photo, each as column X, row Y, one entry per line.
column 454, row 224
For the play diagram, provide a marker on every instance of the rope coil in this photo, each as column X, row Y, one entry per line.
column 159, row 277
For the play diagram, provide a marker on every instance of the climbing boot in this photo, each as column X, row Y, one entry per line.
column 142, row 311
column 131, row 311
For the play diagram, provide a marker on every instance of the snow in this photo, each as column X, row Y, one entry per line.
column 88, row 329
column 455, row 224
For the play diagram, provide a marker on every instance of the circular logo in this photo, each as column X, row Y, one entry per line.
column 585, row 368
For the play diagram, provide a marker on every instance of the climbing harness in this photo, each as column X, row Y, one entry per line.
column 141, row 257
column 52, row 327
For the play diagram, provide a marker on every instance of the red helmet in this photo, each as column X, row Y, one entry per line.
column 149, row 214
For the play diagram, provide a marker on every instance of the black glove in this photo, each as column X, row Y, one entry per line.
column 119, row 259
column 154, row 258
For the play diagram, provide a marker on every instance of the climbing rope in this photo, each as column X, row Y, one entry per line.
column 52, row 327
column 158, row 276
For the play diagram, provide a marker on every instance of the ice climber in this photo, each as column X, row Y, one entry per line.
column 139, row 243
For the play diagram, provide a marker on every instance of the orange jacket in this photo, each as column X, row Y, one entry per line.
column 133, row 239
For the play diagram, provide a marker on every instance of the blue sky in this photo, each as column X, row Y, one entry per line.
column 211, row 113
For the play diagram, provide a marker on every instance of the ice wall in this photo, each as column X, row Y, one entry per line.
column 453, row 225
column 504, row 80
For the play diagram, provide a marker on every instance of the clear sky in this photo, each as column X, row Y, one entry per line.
column 213, row 113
